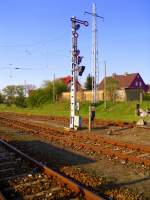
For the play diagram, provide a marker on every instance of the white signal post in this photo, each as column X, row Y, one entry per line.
column 75, row 71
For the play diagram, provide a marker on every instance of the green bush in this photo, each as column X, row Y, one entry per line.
column 20, row 101
column 39, row 96
column 146, row 97
column 15, row 94
column 45, row 94
column 1, row 98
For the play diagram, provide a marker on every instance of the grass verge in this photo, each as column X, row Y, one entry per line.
column 123, row 111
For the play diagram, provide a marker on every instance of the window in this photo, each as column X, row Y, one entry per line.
column 140, row 84
column 136, row 83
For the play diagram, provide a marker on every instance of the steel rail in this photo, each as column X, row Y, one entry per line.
column 137, row 147
column 106, row 151
column 49, row 172
column 85, row 120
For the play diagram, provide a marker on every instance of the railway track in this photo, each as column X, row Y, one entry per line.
column 91, row 144
column 66, row 120
column 23, row 178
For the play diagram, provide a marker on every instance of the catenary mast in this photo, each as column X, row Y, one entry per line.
column 95, row 67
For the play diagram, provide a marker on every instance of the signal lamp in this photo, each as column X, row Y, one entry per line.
column 81, row 70
column 77, row 27
column 77, row 52
column 79, row 59
column 86, row 23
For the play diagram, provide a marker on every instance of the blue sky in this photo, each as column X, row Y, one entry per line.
column 36, row 36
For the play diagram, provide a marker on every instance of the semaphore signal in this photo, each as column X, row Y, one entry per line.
column 76, row 70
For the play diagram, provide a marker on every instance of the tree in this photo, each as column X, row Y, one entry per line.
column 111, row 87
column 1, row 98
column 57, row 87
column 19, row 90
column 9, row 94
column 14, row 94
column 46, row 93
column 39, row 96
column 29, row 88
column 20, row 99
column 88, row 83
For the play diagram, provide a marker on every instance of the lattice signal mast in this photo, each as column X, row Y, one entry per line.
column 75, row 120
column 95, row 67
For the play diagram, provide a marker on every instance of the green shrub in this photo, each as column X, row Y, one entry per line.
column 39, row 96
column 20, row 101
column 146, row 97
column 1, row 98
column 45, row 94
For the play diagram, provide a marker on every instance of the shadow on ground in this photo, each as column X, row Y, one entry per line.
column 51, row 155
column 45, row 153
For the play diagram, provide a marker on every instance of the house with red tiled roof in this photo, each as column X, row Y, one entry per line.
column 130, row 86
column 128, row 81
column 67, row 81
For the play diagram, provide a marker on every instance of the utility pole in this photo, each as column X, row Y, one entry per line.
column 75, row 120
column 105, row 87
column 25, row 88
column 54, row 89
column 95, row 70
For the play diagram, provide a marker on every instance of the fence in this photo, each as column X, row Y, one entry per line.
column 120, row 95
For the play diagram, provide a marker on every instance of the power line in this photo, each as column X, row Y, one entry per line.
column 44, row 42
column 20, row 68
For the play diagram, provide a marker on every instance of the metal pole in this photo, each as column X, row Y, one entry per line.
column 94, row 55
column 95, row 69
column 54, row 89
column 105, row 86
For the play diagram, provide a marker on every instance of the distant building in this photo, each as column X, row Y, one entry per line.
column 148, row 88
column 131, row 87
column 128, row 81
column 67, row 81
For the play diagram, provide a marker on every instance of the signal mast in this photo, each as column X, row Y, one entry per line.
column 75, row 119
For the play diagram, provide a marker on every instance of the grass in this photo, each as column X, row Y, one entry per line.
column 57, row 109
column 123, row 111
